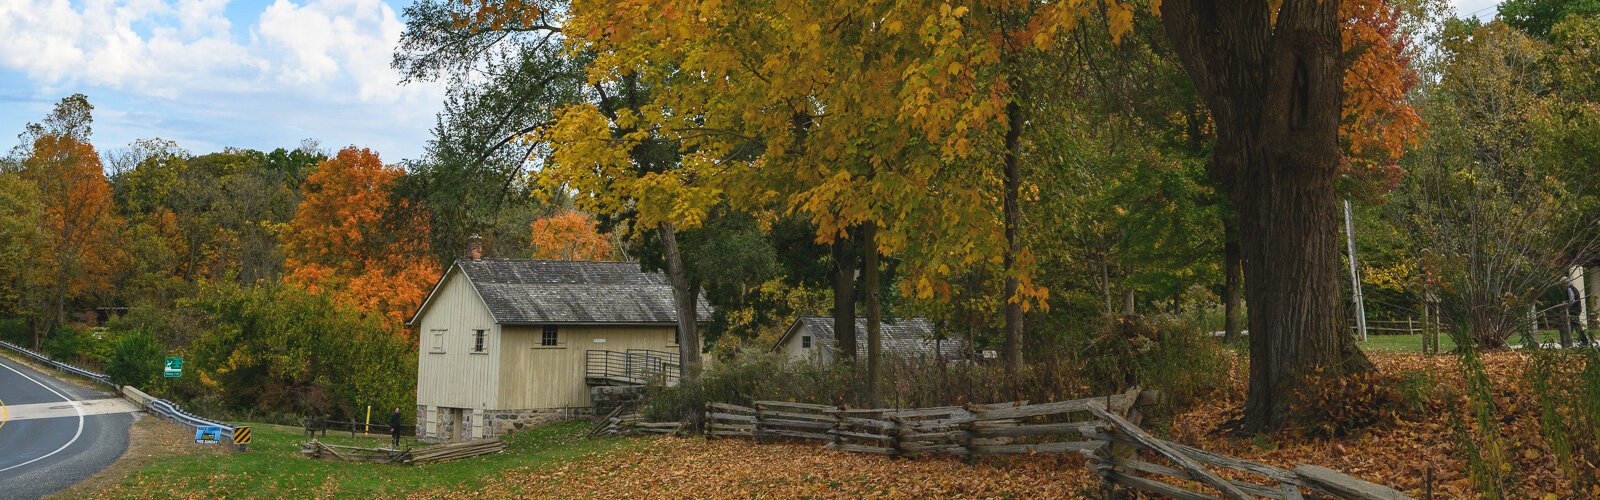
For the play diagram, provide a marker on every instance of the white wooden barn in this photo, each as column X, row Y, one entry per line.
column 510, row 343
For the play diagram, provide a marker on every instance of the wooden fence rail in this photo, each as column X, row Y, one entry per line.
column 1105, row 429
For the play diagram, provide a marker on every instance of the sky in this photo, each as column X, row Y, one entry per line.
column 208, row 74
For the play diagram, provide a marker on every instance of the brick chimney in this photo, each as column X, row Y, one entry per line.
column 475, row 247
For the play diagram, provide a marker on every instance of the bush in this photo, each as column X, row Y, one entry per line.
column 1161, row 353
column 1327, row 405
column 1167, row 355
column 136, row 360
column 65, row 344
column 748, row 377
column 15, row 330
column 289, row 352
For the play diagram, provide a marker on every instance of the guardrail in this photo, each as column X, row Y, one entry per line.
column 160, row 407
column 170, row 411
column 97, row 377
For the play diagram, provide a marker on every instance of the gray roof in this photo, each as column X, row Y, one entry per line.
column 906, row 336
column 536, row 292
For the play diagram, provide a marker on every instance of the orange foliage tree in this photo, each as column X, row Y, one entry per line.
column 570, row 235
column 1377, row 122
column 82, row 253
column 352, row 239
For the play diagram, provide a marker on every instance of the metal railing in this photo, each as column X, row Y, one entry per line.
column 40, row 357
column 159, row 407
column 171, row 411
column 634, row 366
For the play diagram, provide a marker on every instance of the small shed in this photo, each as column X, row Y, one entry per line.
column 509, row 343
column 812, row 338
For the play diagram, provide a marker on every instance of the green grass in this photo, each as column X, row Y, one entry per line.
column 1413, row 343
column 273, row 468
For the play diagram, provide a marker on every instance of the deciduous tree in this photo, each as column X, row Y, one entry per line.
column 570, row 235
column 1272, row 75
column 81, row 253
column 352, row 239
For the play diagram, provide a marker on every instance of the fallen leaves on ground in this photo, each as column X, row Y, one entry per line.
column 737, row 468
column 1399, row 454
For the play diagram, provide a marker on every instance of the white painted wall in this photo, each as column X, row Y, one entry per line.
column 794, row 346
column 457, row 377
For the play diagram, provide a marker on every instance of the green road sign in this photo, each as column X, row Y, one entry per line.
column 174, row 367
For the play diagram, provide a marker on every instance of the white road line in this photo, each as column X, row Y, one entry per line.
column 64, row 398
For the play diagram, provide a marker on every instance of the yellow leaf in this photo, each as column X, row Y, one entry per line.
column 1121, row 17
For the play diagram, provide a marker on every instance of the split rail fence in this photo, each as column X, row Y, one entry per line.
column 1105, row 429
column 423, row 456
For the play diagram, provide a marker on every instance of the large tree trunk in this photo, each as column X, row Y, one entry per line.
column 869, row 243
column 844, row 298
column 684, row 295
column 1274, row 93
column 1232, row 291
column 1013, row 219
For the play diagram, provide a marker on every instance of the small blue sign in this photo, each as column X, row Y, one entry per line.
column 209, row 434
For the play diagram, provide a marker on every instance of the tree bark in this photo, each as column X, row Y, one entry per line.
column 1013, row 219
column 684, row 296
column 869, row 243
column 1232, row 289
column 844, row 298
column 1274, row 91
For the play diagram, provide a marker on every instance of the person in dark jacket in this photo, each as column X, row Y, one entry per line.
column 1572, row 318
column 394, row 426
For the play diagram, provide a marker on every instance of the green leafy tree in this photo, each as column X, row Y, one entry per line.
column 1538, row 17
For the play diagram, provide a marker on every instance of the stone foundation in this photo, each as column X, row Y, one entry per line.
column 606, row 398
column 502, row 422
column 488, row 423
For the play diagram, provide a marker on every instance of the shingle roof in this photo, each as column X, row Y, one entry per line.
column 907, row 336
column 532, row 292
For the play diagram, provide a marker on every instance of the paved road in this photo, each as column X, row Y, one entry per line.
column 53, row 434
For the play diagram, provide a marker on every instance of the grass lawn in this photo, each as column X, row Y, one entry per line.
column 273, row 468
column 1413, row 343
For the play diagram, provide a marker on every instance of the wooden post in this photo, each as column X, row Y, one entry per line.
column 1428, row 329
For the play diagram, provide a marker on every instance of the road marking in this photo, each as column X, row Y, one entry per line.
column 37, row 411
column 4, row 414
column 75, row 435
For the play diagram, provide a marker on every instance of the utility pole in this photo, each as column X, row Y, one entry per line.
column 1355, row 276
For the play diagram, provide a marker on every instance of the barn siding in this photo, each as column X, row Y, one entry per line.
column 457, row 378
column 537, row 377
column 792, row 346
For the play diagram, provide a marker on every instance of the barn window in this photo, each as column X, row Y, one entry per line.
column 477, row 341
column 549, row 339
column 805, row 341
column 437, row 345
column 677, row 336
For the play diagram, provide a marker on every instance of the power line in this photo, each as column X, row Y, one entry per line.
column 1475, row 13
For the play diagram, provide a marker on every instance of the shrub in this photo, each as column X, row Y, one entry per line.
column 65, row 343
column 136, row 360
column 748, row 377
column 291, row 352
column 1166, row 354
column 15, row 330
column 1327, row 405
column 1161, row 353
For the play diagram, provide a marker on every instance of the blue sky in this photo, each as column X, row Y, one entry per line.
column 213, row 73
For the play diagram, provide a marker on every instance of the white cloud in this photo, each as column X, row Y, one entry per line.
column 311, row 67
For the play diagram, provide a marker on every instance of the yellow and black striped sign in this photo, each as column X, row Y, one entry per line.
column 241, row 435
